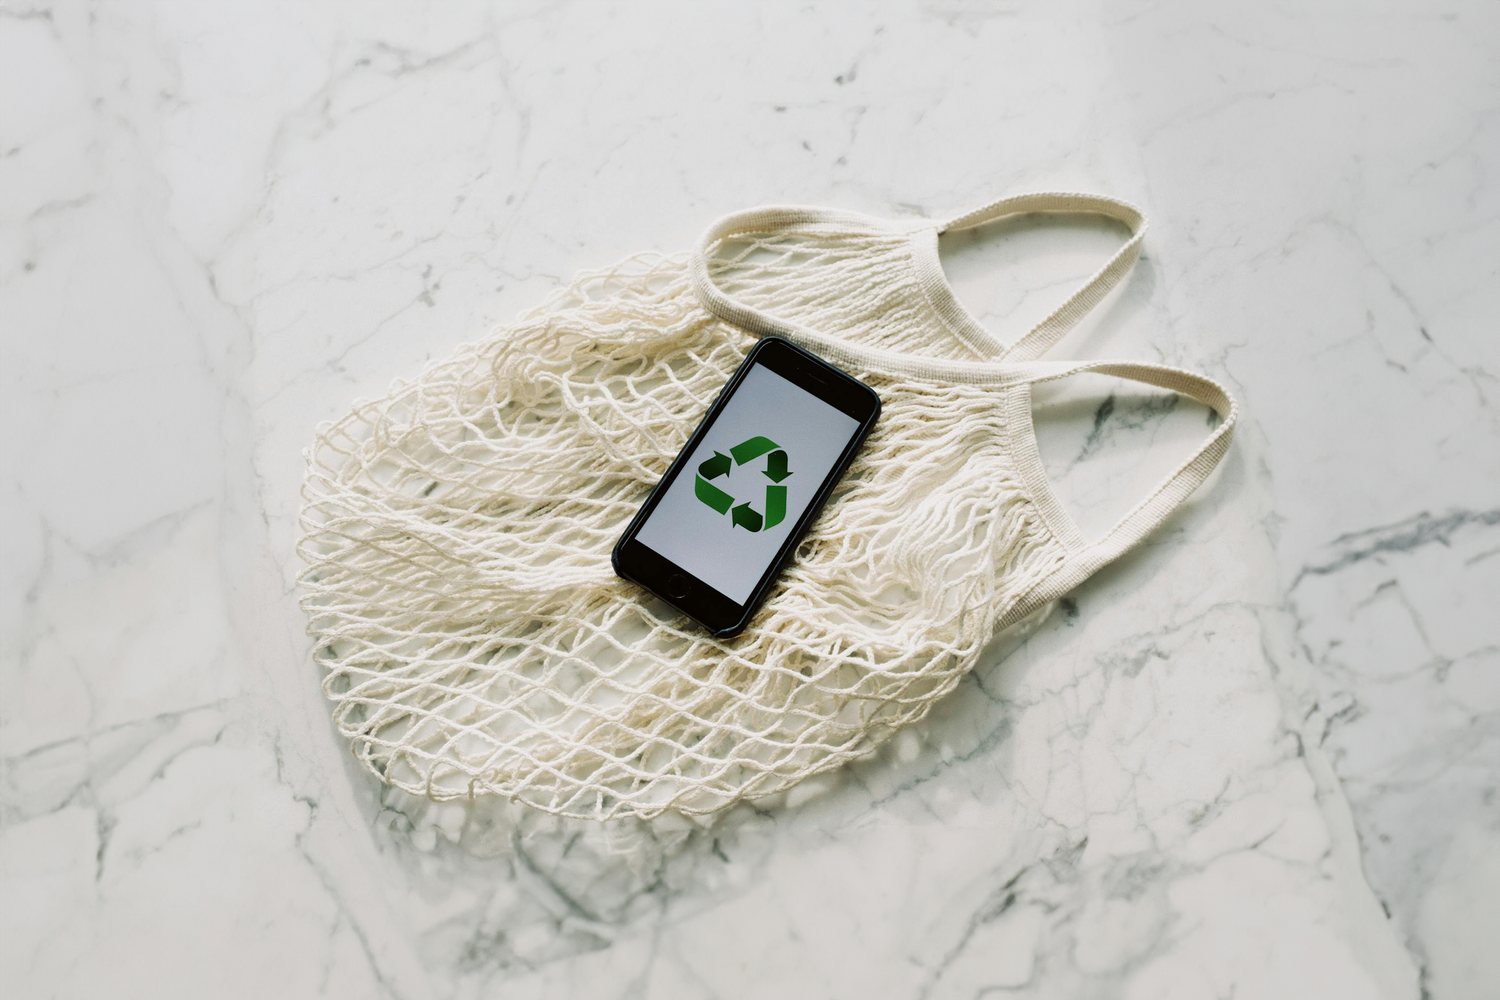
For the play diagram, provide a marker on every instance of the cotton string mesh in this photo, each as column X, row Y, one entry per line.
column 457, row 538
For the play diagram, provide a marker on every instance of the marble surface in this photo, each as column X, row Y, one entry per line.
column 1256, row 759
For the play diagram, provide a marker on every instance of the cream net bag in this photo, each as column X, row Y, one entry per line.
column 457, row 532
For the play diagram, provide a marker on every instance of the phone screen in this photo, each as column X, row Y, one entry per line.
column 743, row 489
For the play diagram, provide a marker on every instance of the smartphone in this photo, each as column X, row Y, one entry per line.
column 715, row 532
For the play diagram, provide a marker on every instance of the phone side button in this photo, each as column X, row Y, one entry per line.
column 677, row 586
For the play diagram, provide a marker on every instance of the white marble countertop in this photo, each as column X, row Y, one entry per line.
column 1257, row 759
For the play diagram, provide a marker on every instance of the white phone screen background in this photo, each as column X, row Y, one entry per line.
column 711, row 545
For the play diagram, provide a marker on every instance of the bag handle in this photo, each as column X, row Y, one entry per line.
column 1159, row 504
column 840, row 350
column 1049, row 331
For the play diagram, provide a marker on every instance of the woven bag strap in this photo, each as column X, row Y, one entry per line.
column 1049, row 331
column 1031, row 345
column 843, row 351
column 1165, row 498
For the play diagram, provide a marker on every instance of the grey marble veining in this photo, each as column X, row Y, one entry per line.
column 1257, row 758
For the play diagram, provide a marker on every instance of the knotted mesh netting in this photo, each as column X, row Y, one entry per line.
column 458, row 531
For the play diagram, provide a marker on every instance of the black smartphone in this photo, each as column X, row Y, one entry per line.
column 724, row 519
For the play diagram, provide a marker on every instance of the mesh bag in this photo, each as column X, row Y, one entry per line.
column 457, row 532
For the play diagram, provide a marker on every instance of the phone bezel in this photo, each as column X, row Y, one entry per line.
column 721, row 615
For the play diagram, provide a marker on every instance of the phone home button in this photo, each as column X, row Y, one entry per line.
column 677, row 586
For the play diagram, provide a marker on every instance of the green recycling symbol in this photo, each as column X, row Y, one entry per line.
column 746, row 451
